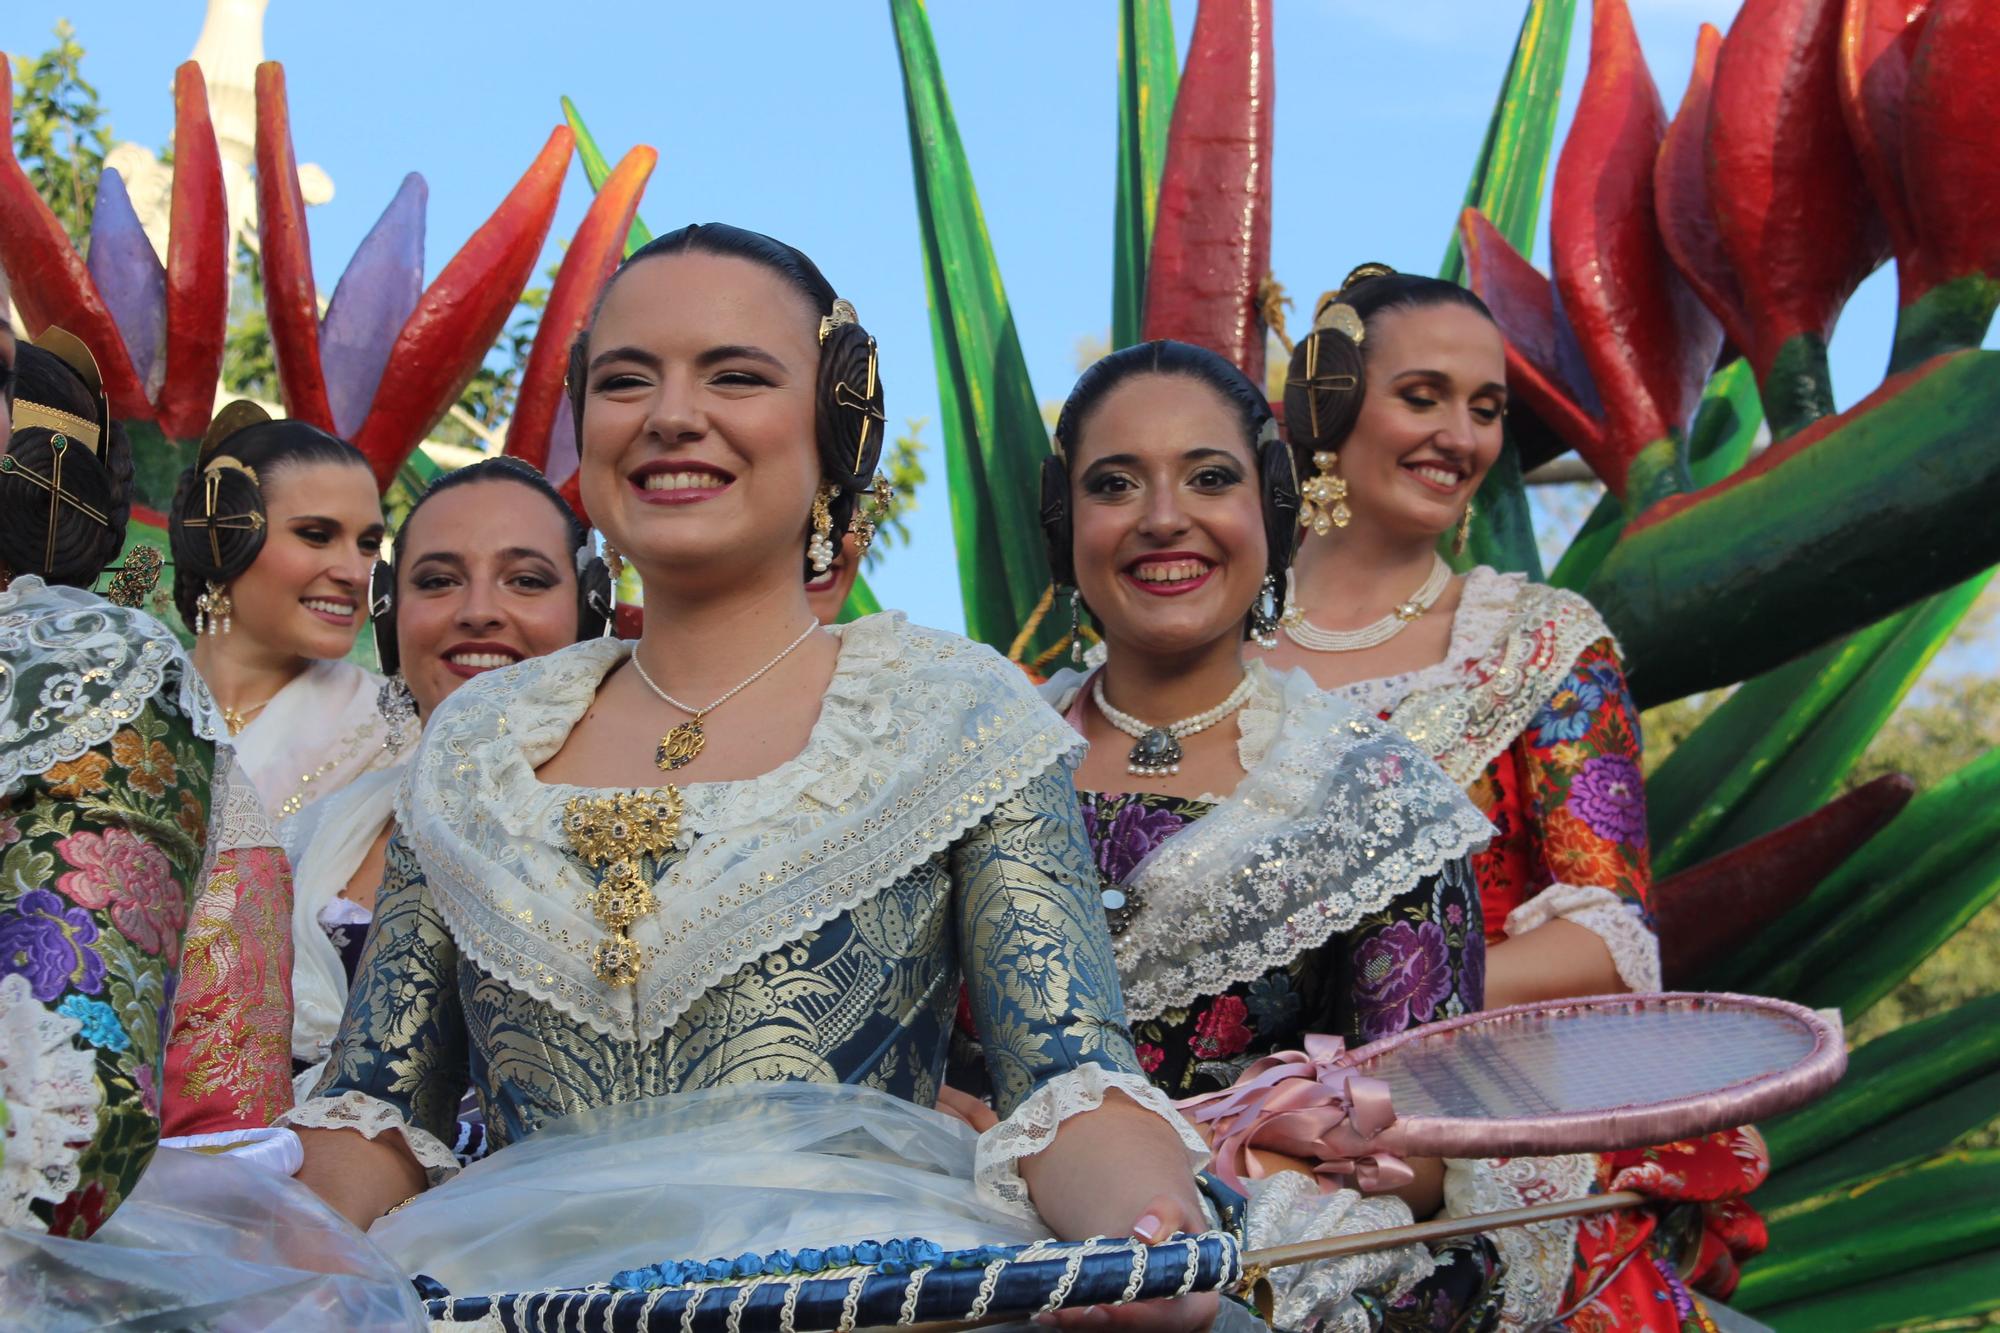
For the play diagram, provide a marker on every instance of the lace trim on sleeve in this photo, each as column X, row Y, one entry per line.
column 372, row 1117
column 48, row 1103
column 997, row 1165
column 1634, row 949
column 1288, row 1209
column 1538, row 1256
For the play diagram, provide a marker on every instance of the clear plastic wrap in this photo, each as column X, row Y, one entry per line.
column 205, row 1242
column 699, row 1175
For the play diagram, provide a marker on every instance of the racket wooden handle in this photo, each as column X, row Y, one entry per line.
column 1443, row 1228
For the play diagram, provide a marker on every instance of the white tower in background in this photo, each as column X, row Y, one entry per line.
column 230, row 48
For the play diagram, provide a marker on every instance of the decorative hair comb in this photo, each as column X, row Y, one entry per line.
column 73, row 352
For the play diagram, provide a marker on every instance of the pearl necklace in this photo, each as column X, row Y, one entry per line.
column 1311, row 637
column 1158, row 752
column 679, row 747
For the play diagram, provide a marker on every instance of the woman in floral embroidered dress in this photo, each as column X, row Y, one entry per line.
column 851, row 819
column 1298, row 867
column 1394, row 407
column 115, row 885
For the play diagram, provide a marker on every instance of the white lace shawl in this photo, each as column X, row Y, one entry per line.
column 325, row 843
column 920, row 735
column 1337, row 816
column 319, row 733
column 75, row 668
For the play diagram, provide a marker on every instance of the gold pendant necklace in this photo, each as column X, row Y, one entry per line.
column 680, row 746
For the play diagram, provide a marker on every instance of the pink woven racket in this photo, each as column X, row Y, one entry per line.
column 1598, row 1074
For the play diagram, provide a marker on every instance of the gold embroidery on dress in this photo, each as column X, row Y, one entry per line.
column 611, row 834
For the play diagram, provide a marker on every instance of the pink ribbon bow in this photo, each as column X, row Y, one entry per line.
column 1305, row 1104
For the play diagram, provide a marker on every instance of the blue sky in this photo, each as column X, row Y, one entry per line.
column 788, row 117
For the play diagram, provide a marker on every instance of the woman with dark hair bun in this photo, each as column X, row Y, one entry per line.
column 1273, row 862
column 1394, row 405
column 744, row 850
column 491, row 567
column 274, row 530
column 118, row 891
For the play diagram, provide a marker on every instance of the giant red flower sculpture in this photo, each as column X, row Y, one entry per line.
column 381, row 367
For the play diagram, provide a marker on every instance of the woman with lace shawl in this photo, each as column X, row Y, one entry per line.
column 1274, row 864
column 137, row 876
column 1394, row 406
column 746, row 848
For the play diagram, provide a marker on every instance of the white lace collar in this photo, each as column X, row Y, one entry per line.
column 74, row 668
column 920, row 735
column 1336, row 815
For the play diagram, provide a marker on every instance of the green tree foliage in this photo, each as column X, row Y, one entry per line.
column 249, row 368
column 60, row 133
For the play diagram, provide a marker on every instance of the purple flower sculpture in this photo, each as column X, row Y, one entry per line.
column 49, row 942
column 1405, row 975
column 1610, row 796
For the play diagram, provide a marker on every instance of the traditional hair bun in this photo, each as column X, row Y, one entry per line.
column 71, row 541
column 219, row 522
column 850, row 414
column 1326, row 380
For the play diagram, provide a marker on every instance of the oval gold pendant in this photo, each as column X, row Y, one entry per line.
column 679, row 747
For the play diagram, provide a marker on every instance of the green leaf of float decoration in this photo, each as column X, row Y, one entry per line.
column 1780, row 747
column 597, row 170
column 1838, row 526
column 1895, row 1073
column 1901, row 1141
column 1508, row 181
column 994, row 437
column 1148, row 78
column 1725, row 427
column 1929, row 871
column 1900, row 919
column 1919, row 1297
column 1940, row 1211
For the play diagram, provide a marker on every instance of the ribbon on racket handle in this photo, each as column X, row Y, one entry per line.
column 1305, row 1104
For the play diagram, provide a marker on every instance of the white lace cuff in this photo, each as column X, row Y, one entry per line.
column 1538, row 1257
column 1032, row 1127
column 371, row 1117
column 1634, row 949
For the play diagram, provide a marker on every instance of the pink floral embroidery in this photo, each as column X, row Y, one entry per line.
column 1223, row 1030
column 119, row 871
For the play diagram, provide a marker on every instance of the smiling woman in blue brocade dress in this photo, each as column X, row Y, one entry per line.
column 746, row 848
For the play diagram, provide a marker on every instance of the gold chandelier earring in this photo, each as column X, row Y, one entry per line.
column 1324, row 496
column 1464, row 533
column 212, row 609
column 820, row 549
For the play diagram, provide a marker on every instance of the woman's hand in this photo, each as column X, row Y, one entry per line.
column 964, row 1106
column 1163, row 1217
